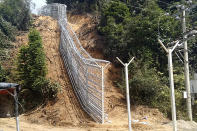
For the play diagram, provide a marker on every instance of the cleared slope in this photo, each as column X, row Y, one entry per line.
column 66, row 110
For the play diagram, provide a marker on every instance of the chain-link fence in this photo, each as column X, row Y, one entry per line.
column 86, row 73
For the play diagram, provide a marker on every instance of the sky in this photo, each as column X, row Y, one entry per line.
column 38, row 4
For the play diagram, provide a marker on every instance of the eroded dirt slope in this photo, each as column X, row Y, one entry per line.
column 66, row 110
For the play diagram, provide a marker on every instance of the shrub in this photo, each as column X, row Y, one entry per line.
column 46, row 88
column 147, row 85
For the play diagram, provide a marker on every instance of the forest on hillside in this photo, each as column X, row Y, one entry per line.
column 14, row 16
column 131, row 28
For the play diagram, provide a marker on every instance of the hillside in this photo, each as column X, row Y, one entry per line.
column 65, row 112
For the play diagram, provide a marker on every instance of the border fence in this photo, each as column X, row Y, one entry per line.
column 86, row 73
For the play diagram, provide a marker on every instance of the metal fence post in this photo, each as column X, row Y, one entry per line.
column 127, row 90
column 16, row 110
column 170, row 66
column 103, row 110
column 171, row 80
column 128, row 96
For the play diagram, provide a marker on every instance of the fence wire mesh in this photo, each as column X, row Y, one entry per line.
column 86, row 73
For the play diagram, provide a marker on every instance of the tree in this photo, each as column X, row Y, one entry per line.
column 193, row 57
column 114, row 16
column 17, row 12
column 130, row 34
column 81, row 5
column 31, row 61
column 32, row 69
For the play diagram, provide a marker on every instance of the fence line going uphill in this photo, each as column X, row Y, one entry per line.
column 86, row 73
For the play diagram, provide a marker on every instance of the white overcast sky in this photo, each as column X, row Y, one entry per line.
column 38, row 4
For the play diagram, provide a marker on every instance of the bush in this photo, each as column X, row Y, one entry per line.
column 147, row 85
column 136, row 35
column 5, row 44
column 46, row 88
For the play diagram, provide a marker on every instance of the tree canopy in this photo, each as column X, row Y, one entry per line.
column 17, row 12
column 81, row 5
column 127, row 34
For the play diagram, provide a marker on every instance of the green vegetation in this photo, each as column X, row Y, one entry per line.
column 7, row 29
column 31, row 61
column 131, row 28
column 14, row 14
column 36, row 89
column 7, row 34
column 137, row 35
column 32, row 68
column 31, row 65
column 81, row 5
column 2, row 74
column 193, row 56
column 17, row 12
column 115, row 16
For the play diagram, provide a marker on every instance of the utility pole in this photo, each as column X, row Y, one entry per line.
column 127, row 90
column 186, row 66
column 171, row 80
